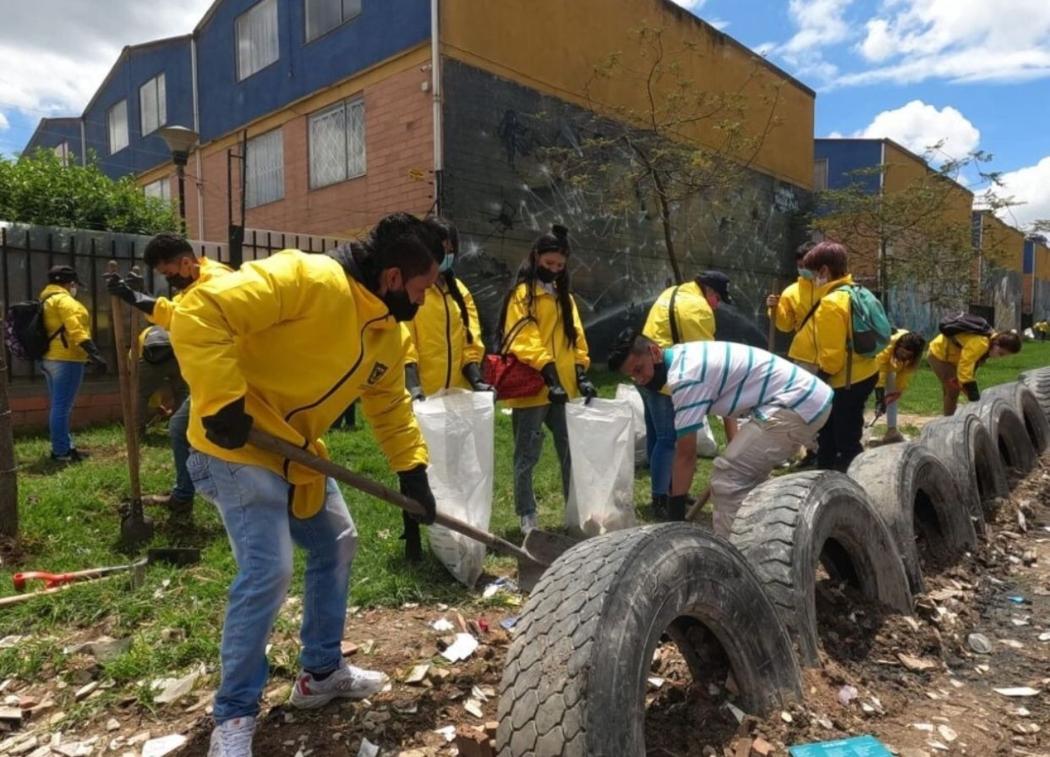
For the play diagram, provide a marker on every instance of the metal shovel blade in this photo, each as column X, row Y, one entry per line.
column 544, row 548
column 135, row 527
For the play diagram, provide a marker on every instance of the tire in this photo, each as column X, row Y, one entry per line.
column 574, row 682
column 788, row 524
column 916, row 495
column 971, row 455
column 1021, row 397
column 1039, row 382
column 1008, row 430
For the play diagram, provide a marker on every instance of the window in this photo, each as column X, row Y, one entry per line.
column 337, row 143
column 118, row 127
column 256, row 38
column 62, row 151
column 264, row 169
column 324, row 15
column 153, row 105
column 159, row 189
column 820, row 174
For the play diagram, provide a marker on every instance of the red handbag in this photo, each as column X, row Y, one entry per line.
column 511, row 378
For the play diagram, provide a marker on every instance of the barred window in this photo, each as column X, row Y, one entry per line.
column 118, row 127
column 264, row 169
column 159, row 189
column 324, row 15
column 153, row 106
column 62, row 151
column 337, row 143
column 257, row 44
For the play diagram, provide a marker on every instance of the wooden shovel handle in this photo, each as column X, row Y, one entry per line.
column 116, row 310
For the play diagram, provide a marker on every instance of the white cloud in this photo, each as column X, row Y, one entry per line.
column 690, row 5
column 1030, row 188
column 819, row 24
column 4, row 123
column 835, row 135
column 918, row 126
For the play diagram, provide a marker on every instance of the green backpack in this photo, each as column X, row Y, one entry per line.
column 871, row 328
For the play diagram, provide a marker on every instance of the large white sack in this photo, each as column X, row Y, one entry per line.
column 601, row 490
column 629, row 393
column 458, row 429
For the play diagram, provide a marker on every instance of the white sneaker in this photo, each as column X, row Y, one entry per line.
column 528, row 523
column 347, row 681
column 232, row 738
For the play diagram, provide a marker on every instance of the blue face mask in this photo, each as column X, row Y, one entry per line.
column 806, row 273
column 446, row 264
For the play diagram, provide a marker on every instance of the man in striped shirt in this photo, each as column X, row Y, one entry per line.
column 786, row 404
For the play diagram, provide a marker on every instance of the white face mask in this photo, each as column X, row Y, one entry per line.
column 73, row 290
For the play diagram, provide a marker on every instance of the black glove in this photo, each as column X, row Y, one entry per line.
column 880, row 400
column 584, row 384
column 472, row 373
column 676, row 507
column 94, row 356
column 556, row 393
column 412, row 382
column 229, row 427
column 416, row 485
column 972, row 392
column 122, row 288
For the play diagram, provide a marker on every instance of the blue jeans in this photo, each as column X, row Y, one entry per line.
column 63, row 379
column 253, row 503
column 178, row 425
column 528, row 423
column 660, row 439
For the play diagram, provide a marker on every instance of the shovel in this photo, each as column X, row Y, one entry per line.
column 178, row 556
column 539, row 551
column 135, row 527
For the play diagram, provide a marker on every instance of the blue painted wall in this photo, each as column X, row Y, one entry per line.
column 51, row 132
column 383, row 28
column 136, row 66
column 847, row 155
column 1029, row 256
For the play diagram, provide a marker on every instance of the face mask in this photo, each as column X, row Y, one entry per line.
column 546, row 275
column 402, row 308
column 447, row 263
column 821, row 280
column 805, row 273
column 73, row 290
column 178, row 281
column 659, row 379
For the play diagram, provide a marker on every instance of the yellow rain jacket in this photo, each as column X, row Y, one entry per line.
column 695, row 319
column 300, row 340
column 795, row 302
column 69, row 321
column 542, row 340
column 439, row 342
column 822, row 340
column 965, row 351
column 887, row 362
column 164, row 307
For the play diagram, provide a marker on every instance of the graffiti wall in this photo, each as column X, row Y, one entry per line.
column 911, row 308
column 1041, row 300
column 502, row 195
column 1003, row 288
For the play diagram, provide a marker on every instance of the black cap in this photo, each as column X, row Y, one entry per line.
column 718, row 281
column 62, row 274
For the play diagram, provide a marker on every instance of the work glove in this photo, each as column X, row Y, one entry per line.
column 676, row 507
column 584, row 385
column 972, row 392
column 129, row 290
column 556, row 393
column 472, row 373
column 880, row 400
column 415, row 485
column 415, row 390
column 94, row 356
column 229, row 427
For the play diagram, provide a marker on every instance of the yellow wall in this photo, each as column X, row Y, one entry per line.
column 904, row 169
column 1004, row 244
column 553, row 46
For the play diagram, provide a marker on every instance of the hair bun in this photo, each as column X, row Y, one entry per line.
column 561, row 232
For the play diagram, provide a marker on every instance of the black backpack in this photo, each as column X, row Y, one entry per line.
column 24, row 330
column 964, row 323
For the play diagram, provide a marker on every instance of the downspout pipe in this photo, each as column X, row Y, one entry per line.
column 435, row 74
column 198, row 179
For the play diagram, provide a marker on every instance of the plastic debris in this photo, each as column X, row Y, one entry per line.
column 508, row 623
column 164, row 745
column 979, row 643
column 418, row 673
column 368, row 749
column 859, row 746
column 1018, row 691
column 473, row 706
column 655, row 681
column 947, row 733
column 847, row 694
column 1044, row 636
column 1017, row 599
column 500, row 584
column 175, row 688
column 447, row 732
column 736, row 711
column 461, row 649
column 442, row 625
column 916, row 664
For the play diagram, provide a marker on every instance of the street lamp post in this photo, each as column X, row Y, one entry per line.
column 180, row 141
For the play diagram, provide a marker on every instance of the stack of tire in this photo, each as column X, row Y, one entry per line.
column 576, row 673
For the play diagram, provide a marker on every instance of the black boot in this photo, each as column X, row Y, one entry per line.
column 676, row 507
column 413, row 543
column 658, row 508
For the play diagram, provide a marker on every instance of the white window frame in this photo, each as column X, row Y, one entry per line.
column 348, row 10
column 117, row 130
column 159, row 111
column 264, row 163
column 62, row 151
column 159, row 189
column 354, row 144
column 242, row 41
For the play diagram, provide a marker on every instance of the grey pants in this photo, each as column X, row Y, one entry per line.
column 528, row 425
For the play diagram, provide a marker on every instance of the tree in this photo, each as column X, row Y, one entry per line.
column 39, row 189
column 687, row 144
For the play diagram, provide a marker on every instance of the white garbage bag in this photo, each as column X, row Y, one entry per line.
column 629, row 393
column 458, row 428
column 601, row 490
column 706, row 446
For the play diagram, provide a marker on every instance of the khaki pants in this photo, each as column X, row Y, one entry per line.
column 947, row 374
column 757, row 449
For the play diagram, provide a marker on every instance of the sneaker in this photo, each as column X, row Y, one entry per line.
column 73, row 456
column 176, row 506
column 347, row 681
column 232, row 738
column 528, row 523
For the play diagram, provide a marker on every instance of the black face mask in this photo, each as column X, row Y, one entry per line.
column 659, row 379
column 546, row 275
column 402, row 308
column 178, row 281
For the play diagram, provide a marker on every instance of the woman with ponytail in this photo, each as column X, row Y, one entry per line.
column 541, row 327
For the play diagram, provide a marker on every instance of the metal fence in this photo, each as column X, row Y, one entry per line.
column 27, row 252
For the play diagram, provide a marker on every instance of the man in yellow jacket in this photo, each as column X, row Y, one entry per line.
column 680, row 315
column 68, row 325
column 897, row 364
column 822, row 342
column 286, row 344
column 172, row 257
column 955, row 360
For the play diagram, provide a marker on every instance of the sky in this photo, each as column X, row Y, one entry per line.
column 973, row 74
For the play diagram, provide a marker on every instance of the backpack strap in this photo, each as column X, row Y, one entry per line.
column 513, row 332
column 676, row 336
column 61, row 328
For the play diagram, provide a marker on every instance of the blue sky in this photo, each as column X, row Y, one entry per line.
column 975, row 73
